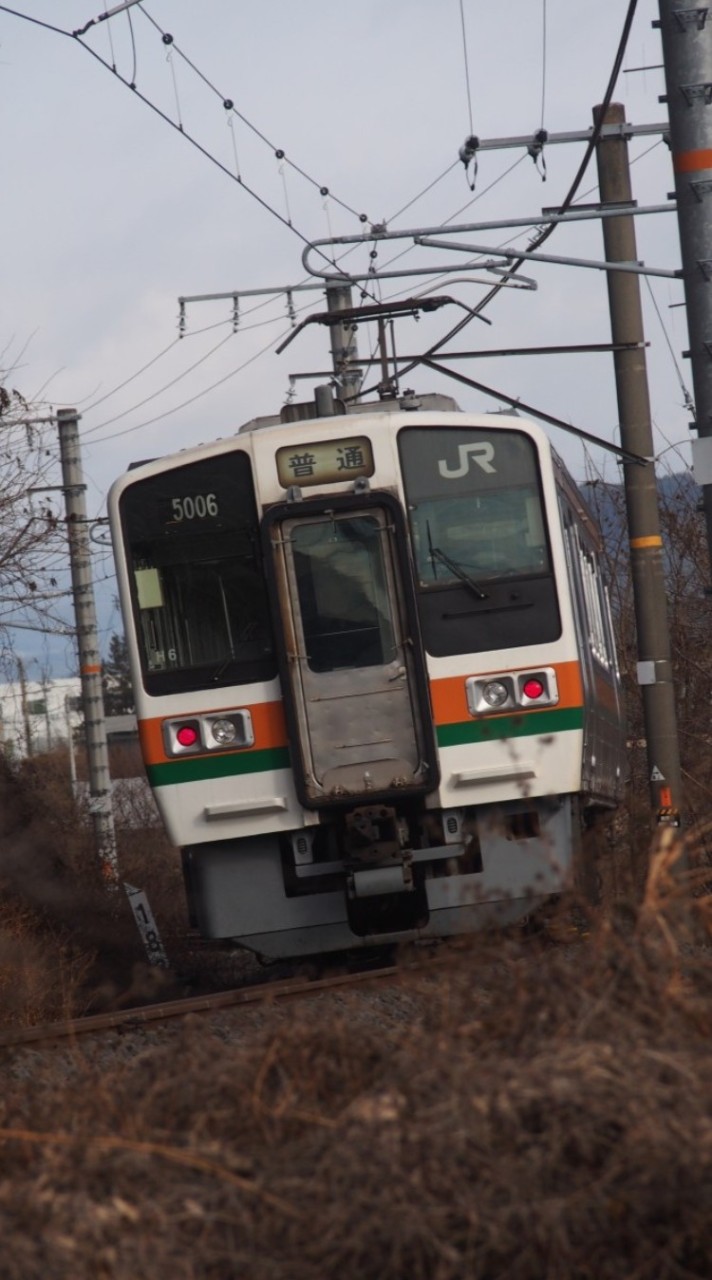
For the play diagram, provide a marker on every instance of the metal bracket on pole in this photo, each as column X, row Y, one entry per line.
column 420, row 235
column 514, row 255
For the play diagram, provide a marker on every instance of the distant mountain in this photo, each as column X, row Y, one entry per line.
column 676, row 493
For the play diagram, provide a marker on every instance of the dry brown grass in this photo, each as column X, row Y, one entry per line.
column 67, row 945
column 533, row 1109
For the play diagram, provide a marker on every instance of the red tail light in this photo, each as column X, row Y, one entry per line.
column 533, row 689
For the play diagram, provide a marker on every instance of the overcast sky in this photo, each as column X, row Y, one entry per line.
column 110, row 214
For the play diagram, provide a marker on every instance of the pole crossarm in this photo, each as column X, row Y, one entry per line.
column 577, row 348
column 625, row 130
column 439, row 269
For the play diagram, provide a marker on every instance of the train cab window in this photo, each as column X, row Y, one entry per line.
column 343, row 595
column 198, row 585
column 479, row 539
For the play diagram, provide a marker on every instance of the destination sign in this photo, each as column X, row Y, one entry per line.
column 326, row 462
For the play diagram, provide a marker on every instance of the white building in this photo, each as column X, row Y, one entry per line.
column 37, row 715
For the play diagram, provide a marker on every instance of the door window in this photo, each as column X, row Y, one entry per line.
column 343, row 599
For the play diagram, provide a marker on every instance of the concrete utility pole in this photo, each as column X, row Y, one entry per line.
column 26, row 722
column 686, row 32
column 89, row 656
column 654, row 665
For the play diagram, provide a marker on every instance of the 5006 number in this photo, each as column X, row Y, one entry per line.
column 197, row 508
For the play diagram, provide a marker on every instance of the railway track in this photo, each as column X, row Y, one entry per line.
column 252, row 994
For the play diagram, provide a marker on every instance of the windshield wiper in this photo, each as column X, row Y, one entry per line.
column 220, row 671
column 459, row 572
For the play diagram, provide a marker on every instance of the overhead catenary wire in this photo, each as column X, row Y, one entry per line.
column 686, row 394
column 225, row 100
column 193, row 333
column 133, row 50
column 228, row 104
column 110, row 35
column 132, row 377
column 198, row 396
column 467, row 65
column 286, row 220
column 203, row 150
column 543, row 62
column 177, row 341
column 424, row 192
column 483, row 192
column 425, row 188
column 549, row 229
column 147, row 399
column 568, row 200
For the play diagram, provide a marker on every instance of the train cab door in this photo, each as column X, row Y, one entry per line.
column 352, row 670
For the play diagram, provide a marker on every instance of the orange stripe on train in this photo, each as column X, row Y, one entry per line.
column 450, row 700
column 267, row 724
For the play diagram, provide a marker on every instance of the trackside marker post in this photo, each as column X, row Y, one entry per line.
column 147, row 926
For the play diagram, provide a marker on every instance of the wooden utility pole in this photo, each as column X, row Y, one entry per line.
column 646, row 548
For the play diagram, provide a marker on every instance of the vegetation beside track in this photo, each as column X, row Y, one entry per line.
column 542, row 1106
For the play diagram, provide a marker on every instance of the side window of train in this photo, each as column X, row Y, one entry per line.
column 198, row 588
column 610, row 633
column 591, row 593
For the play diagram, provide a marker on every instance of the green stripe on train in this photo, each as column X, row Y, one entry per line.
column 229, row 764
column 224, row 765
column 517, row 726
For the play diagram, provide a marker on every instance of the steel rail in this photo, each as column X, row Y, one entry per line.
column 144, row 1014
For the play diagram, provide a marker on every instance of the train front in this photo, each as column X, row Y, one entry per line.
column 356, row 675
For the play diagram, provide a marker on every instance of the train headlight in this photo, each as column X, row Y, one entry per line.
column 223, row 731
column 228, row 730
column 512, row 691
column 495, row 693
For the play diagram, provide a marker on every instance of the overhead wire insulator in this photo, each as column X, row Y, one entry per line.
column 536, row 151
column 169, row 60
column 229, row 106
column 468, row 155
column 181, row 318
column 280, row 156
column 290, row 308
column 235, row 313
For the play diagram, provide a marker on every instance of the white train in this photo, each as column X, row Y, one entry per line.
column 374, row 672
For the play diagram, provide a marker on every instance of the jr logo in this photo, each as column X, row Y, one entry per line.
column 482, row 454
